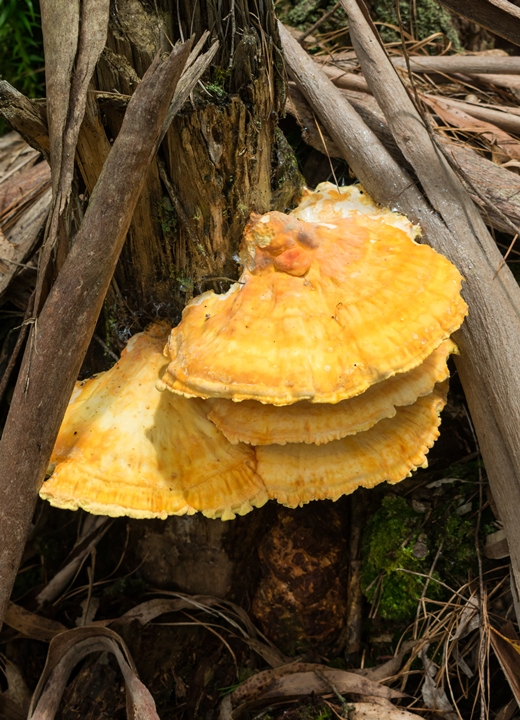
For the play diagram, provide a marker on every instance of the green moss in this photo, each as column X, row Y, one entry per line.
column 425, row 19
column 442, row 527
column 302, row 14
column 286, row 180
column 309, row 711
column 302, row 11
column 219, row 82
column 390, row 546
column 132, row 586
column 185, row 284
column 167, row 216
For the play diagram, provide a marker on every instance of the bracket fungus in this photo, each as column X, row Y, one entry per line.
column 322, row 311
column 126, row 449
column 260, row 424
column 391, row 450
column 322, row 370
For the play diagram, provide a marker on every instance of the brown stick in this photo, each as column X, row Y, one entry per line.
column 26, row 117
column 345, row 79
column 61, row 334
column 490, row 337
column 505, row 120
column 4, row 381
column 499, row 16
column 466, row 64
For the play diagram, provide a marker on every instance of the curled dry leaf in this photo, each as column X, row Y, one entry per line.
column 17, row 695
column 373, row 711
column 64, row 654
column 383, row 672
column 433, row 693
column 295, row 680
column 236, row 617
column 10, row 710
column 87, row 541
column 32, row 625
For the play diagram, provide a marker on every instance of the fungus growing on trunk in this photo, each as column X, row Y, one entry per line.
column 333, row 346
column 297, row 473
column 126, row 449
column 322, row 311
column 303, row 422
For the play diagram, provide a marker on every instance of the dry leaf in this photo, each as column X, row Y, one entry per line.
column 238, row 620
column 17, row 691
column 66, row 651
column 372, row 711
column 433, row 695
column 32, row 625
column 10, row 710
column 92, row 534
column 498, row 139
column 295, row 680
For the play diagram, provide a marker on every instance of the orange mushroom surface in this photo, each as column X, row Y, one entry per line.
column 322, row 311
column 296, row 473
column 126, row 449
column 260, row 424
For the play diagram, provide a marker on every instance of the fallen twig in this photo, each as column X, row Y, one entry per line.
column 62, row 332
column 467, row 64
column 499, row 16
column 490, row 338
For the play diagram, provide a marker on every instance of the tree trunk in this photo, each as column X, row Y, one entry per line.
column 216, row 163
column 222, row 158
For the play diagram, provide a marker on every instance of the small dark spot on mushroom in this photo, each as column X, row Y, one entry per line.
column 305, row 238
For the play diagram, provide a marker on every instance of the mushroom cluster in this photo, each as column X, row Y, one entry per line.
column 324, row 368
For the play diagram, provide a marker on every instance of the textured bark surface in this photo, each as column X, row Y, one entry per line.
column 215, row 166
column 222, row 158
column 60, row 337
column 500, row 16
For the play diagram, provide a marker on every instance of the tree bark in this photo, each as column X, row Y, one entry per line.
column 222, row 158
column 216, row 159
column 61, row 333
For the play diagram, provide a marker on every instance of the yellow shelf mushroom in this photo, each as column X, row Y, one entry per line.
column 259, row 424
column 333, row 346
column 322, row 311
column 297, row 473
column 126, row 449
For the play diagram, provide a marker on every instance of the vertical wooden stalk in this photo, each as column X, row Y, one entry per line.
column 60, row 336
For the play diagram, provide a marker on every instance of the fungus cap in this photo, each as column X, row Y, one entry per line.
column 260, row 424
column 296, row 473
column 126, row 449
column 322, row 311
column 329, row 202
